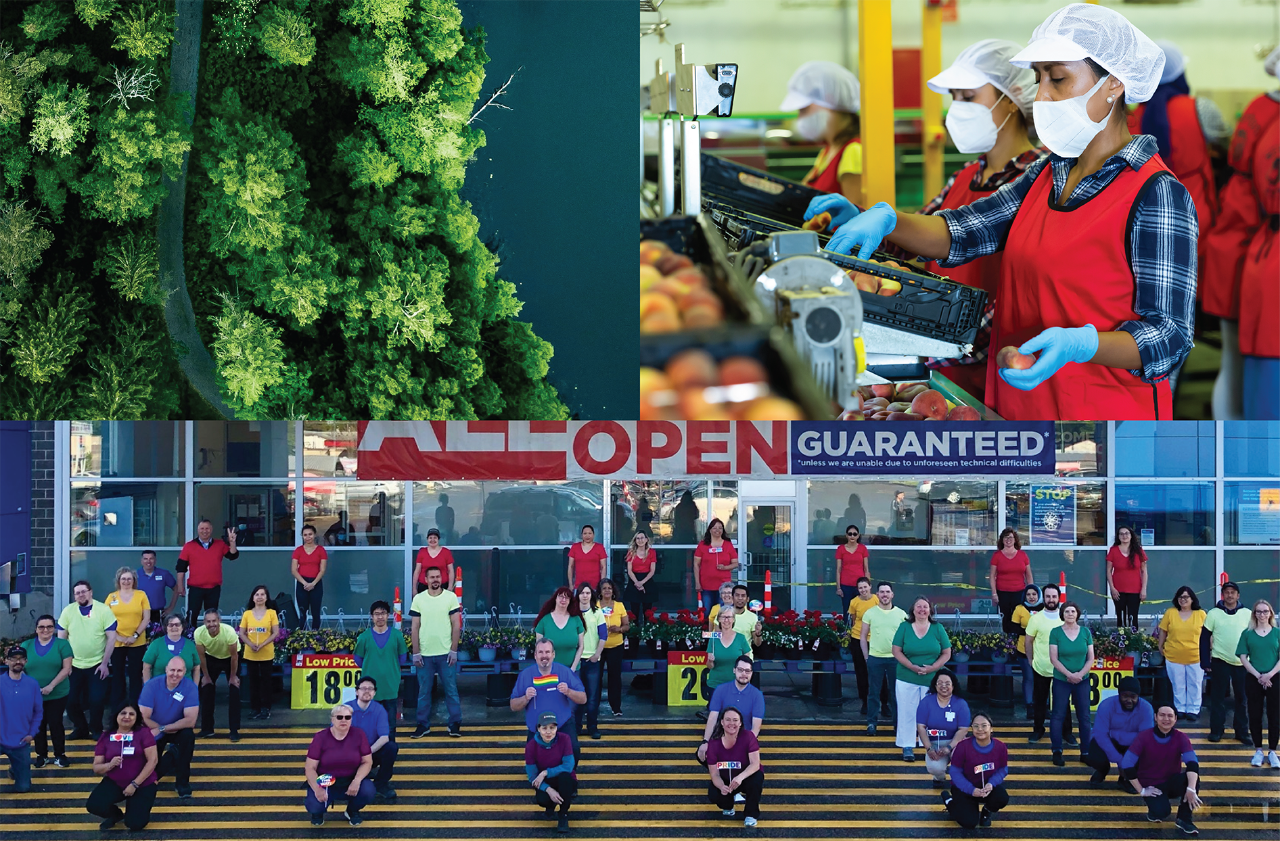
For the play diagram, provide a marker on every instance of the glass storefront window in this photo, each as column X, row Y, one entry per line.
column 1080, row 448
column 924, row 512
column 329, row 448
column 249, row 449
column 1086, row 572
column 125, row 449
column 355, row 513
column 1178, row 514
column 1169, row 569
column 1252, row 513
column 261, row 514
column 1167, row 448
column 953, row 580
column 126, row 514
column 672, row 512
column 1251, row 448
column 507, row 513
column 1255, row 570
column 1090, row 512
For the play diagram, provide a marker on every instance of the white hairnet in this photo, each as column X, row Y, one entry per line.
column 988, row 62
column 1081, row 31
column 823, row 83
column 1175, row 63
column 1272, row 62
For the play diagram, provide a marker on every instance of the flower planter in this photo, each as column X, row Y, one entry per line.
column 1155, row 658
column 488, row 655
column 520, row 653
column 962, row 657
column 464, row 655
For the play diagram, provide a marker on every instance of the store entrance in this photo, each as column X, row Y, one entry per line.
column 769, row 548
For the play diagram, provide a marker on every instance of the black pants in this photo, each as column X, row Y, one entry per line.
column 1255, row 698
column 384, row 765
column 259, row 683
column 966, row 809
column 1009, row 601
column 219, row 666
column 393, row 711
column 51, row 728
column 200, row 599
column 1097, row 758
column 126, row 675
column 641, row 603
column 177, row 761
column 1127, row 610
column 137, row 809
column 308, row 600
column 1222, row 675
column 1040, row 702
column 563, row 783
column 1171, row 789
column 752, row 787
column 88, row 693
column 612, row 659
column 156, row 616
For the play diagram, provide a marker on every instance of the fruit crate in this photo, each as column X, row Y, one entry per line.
column 938, row 382
column 696, row 237
column 789, row 375
column 740, row 228
column 754, row 191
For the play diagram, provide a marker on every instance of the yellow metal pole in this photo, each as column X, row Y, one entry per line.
column 931, row 103
column 875, row 70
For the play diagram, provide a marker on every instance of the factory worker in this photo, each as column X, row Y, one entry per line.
column 1099, row 267
column 828, row 99
column 1243, row 264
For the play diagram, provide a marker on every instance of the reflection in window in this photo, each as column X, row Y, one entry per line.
column 127, row 448
column 1251, row 448
column 507, row 513
column 126, row 514
column 1252, row 513
column 1171, row 514
column 262, row 515
column 355, row 513
column 1255, row 571
column 672, row 512
column 1080, row 448
column 257, row 449
column 1167, row 448
column 1089, row 511
column 925, row 512
column 329, row 448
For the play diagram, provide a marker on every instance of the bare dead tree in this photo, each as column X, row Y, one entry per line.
column 135, row 83
column 493, row 97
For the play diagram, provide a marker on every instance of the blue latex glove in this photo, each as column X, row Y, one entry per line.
column 840, row 208
column 1059, row 345
column 865, row 231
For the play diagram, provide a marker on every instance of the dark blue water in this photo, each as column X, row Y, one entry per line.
column 557, row 185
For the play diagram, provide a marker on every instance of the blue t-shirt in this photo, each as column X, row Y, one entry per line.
column 167, row 705
column 942, row 722
column 154, row 585
column 549, row 699
column 372, row 721
column 749, row 701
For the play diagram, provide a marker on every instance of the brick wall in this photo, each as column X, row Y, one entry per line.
column 42, row 491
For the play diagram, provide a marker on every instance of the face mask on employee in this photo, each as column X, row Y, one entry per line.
column 971, row 126
column 813, row 126
column 1064, row 126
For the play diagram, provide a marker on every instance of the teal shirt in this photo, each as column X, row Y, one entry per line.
column 1263, row 652
column 382, row 664
column 726, row 658
column 45, row 669
column 162, row 650
column 921, row 651
column 564, row 639
column 1072, row 654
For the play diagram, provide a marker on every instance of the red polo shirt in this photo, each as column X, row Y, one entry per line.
column 204, row 565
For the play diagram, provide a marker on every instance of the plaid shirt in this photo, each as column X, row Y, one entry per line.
column 1011, row 172
column 1162, row 247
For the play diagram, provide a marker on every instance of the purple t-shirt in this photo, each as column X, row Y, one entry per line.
column 341, row 758
column 740, row 752
column 132, row 750
column 543, row 756
column 154, row 585
column 1157, row 758
column 973, row 767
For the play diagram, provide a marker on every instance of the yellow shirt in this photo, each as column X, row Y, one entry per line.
column 258, row 631
column 1022, row 616
column 1182, row 638
column 850, row 161
column 133, row 615
column 614, row 620
column 857, row 607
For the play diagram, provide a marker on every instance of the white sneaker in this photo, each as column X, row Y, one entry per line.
column 738, row 798
column 749, row 822
column 1256, row 762
column 728, row 813
column 1275, row 760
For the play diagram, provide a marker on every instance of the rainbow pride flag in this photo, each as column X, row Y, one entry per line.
column 546, row 680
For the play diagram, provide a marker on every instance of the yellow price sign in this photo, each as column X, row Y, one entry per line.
column 1105, row 676
column 322, row 681
column 687, row 679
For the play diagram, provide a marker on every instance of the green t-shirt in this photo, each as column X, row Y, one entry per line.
column 435, row 630
column 921, row 651
column 382, row 663
column 881, row 626
column 162, row 650
column 45, row 669
column 726, row 658
column 1042, row 624
column 220, row 646
column 87, row 634
column 1072, row 654
column 1226, row 629
column 1263, row 652
column 591, row 622
column 564, row 639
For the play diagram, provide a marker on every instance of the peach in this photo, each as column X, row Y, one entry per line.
column 889, row 287
column 703, row 315
column 852, row 415
column 877, row 402
column 652, row 385
column 654, row 302
column 866, row 282
column 865, row 392
column 648, row 277
column 1010, row 357
column 652, row 250
column 671, row 263
column 963, row 413
column 772, row 408
column 693, row 405
column 660, row 322
column 910, row 392
column 899, row 406
column 884, row 390
column 672, row 288
column 903, row 416
column 700, row 296
column 818, row 223
column 692, row 368
column 691, row 276
column 930, row 403
column 737, row 370
column 879, row 416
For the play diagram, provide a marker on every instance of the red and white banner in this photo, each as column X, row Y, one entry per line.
column 551, row 450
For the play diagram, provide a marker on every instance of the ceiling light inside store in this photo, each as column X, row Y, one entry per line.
column 711, row 135
column 778, row 132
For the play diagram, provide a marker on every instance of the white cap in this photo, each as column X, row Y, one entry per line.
column 824, row 83
column 987, row 62
column 1082, row 30
column 1175, row 63
column 1272, row 61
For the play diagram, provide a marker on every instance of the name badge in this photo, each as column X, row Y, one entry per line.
column 607, row 611
column 114, row 602
column 173, row 646
column 728, row 766
column 950, row 715
column 159, row 578
column 177, row 696
column 127, row 751
column 716, row 548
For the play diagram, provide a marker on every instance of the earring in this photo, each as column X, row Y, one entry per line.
column 1111, row 99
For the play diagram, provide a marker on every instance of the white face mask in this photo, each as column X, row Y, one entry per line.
column 971, row 126
column 812, row 126
column 1064, row 126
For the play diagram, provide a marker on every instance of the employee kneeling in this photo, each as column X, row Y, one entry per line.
column 338, row 764
column 733, row 759
column 549, row 763
column 126, row 759
column 170, row 704
column 371, row 717
column 1153, row 765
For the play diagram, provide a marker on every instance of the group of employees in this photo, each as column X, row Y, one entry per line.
column 1089, row 245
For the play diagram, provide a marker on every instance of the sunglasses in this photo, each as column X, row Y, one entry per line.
column 342, row 718
column 851, row 534
column 44, row 627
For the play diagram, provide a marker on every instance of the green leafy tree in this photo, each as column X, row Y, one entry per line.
column 368, row 164
column 133, row 267
column 45, row 21
column 61, row 119
column 133, row 149
column 285, row 35
column 94, row 12
column 47, row 338
column 249, row 353
column 19, row 73
column 124, row 375
column 231, row 20
column 144, row 31
column 22, row 242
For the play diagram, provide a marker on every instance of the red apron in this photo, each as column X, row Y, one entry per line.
column 827, row 181
column 1260, row 276
column 1239, row 216
column 1189, row 157
column 1067, row 268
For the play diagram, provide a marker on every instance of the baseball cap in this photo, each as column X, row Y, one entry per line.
column 433, row 532
column 546, row 718
column 1232, row 585
column 16, row 651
